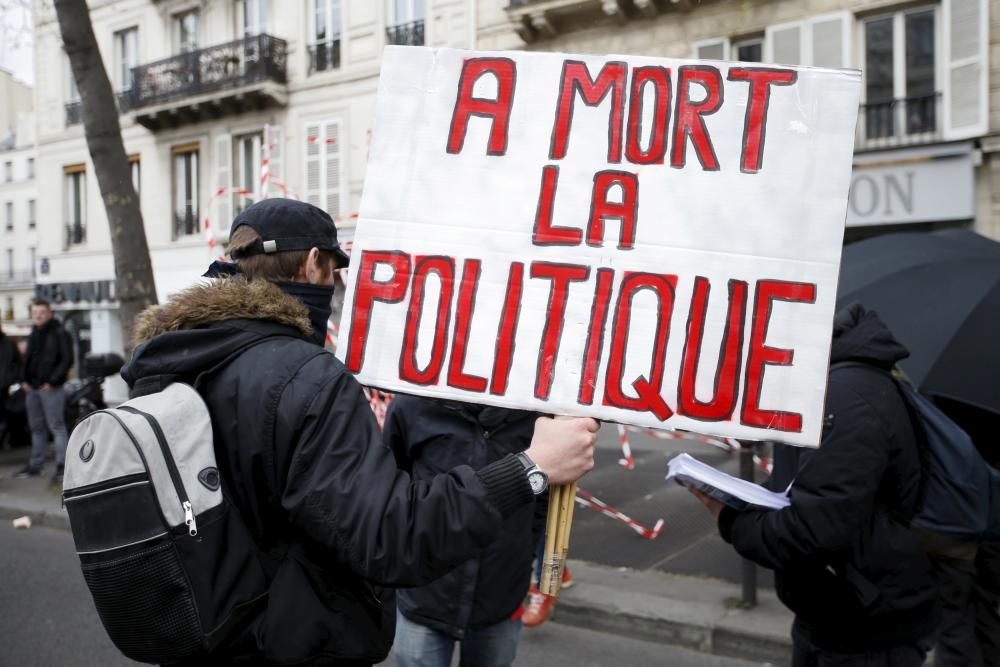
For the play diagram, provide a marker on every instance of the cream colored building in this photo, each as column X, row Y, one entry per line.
column 18, row 215
column 208, row 91
column 926, row 150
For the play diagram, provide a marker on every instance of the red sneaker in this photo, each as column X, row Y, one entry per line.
column 567, row 579
column 539, row 608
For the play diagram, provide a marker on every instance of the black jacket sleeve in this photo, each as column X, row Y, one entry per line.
column 831, row 498
column 394, row 437
column 344, row 491
column 62, row 365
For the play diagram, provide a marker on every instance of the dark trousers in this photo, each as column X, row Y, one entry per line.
column 969, row 633
column 806, row 654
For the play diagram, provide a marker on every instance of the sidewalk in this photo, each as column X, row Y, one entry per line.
column 695, row 612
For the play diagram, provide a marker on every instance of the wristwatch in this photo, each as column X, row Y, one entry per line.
column 537, row 478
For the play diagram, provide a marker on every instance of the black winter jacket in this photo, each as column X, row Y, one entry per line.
column 50, row 355
column 10, row 364
column 430, row 436
column 303, row 461
column 853, row 574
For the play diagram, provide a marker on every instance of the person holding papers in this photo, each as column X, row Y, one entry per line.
column 845, row 564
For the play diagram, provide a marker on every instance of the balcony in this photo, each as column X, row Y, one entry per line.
column 245, row 74
column 324, row 56
column 406, row 34
column 74, row 113
column 535, row 20
column 74, row 233
column 17, row 279
column 900, row 122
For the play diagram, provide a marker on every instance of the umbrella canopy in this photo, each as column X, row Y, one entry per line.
column 939, row 293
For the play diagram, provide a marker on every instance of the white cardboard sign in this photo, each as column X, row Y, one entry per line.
column 642, row 240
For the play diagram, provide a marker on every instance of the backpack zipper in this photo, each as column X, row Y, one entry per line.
column 175, row 475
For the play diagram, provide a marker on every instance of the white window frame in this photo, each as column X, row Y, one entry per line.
column 8, row 216
column 899, row 49
column 126, row 56
column 176, row 30
column 331, row 9
column 805, row 27
column 8, row 171
column 256, row 139
column 31, row 214
column 76, row 182
column 72, row 92
column 734, row 47
column 176, row 206
column 701, row 43
column 946, row 65
column 248, row 26
column 409, row 12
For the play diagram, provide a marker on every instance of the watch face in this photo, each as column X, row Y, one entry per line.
column 537, row 481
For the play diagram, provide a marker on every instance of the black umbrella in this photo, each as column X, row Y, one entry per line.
column 939, row 293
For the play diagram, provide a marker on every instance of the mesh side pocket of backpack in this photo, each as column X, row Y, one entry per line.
column 145, row 602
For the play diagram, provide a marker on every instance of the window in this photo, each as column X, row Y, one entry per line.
column 247, row 157
column 185, row 190
column 76, row 205
column 32, row 259
column 126, row 56
column 186, row 31
column 73, row 93
column 8, row 313
column 407, row 11
column 323, row 166
column 252, row 17
column 819, row 41
column 133, row 166
column 324, row 54
column 900, row 84
column 9, row 216
column 407, row 23
column 10, row 263
column 31, row 168
column 749, row 50
column 31, row 214
column 8, row 172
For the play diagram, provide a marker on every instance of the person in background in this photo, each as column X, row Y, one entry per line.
column 479, row 603
column 10, row 373
column 845, row 562
column 46, row 367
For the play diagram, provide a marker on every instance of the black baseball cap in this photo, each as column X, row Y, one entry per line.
column 288, row 224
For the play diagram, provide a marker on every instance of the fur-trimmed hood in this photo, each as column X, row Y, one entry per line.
column 221, row 300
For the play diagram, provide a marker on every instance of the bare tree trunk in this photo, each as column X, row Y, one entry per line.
column 133, row 270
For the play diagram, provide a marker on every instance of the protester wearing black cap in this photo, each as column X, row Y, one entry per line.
column 301, row 455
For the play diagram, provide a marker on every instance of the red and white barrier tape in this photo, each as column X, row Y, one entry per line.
column 628, row 462
column 591, row 502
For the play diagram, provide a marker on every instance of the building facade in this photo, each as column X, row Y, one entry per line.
column 928, row 132
column 222, row 102
column 18, row 209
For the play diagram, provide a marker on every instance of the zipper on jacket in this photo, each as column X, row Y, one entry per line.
column 168, row 458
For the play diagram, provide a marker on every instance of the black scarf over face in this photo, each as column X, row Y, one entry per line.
column 316, row 298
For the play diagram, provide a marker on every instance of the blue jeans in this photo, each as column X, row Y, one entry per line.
column 46, row 412
column 419, row 646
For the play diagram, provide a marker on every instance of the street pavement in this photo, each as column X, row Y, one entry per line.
column 689, row 543
column 47, row 619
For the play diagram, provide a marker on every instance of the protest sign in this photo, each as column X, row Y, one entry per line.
column 647, row 241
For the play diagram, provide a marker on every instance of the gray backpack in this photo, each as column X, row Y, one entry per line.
column 171, row 566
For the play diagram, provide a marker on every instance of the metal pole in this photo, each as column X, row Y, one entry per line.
column 749, row 573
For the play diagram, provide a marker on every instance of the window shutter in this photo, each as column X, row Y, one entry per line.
column 830, row 37
column 223, row 179
column 332, row 146
column 783, row 44
column 313, row 152
column 712, row 49
column 275, row 141
column 965, row 52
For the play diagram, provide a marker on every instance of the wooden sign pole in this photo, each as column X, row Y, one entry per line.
column 559, row 523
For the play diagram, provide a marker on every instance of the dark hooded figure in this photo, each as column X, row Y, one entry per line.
column 844, row 561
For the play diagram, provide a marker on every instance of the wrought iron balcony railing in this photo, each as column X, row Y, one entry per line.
column 186, row 224
column 17, row 278
column 75, row 233
column 900, row 122
column 324, row 56
column 74, row 113
column 252, row 59
column 406, row 34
